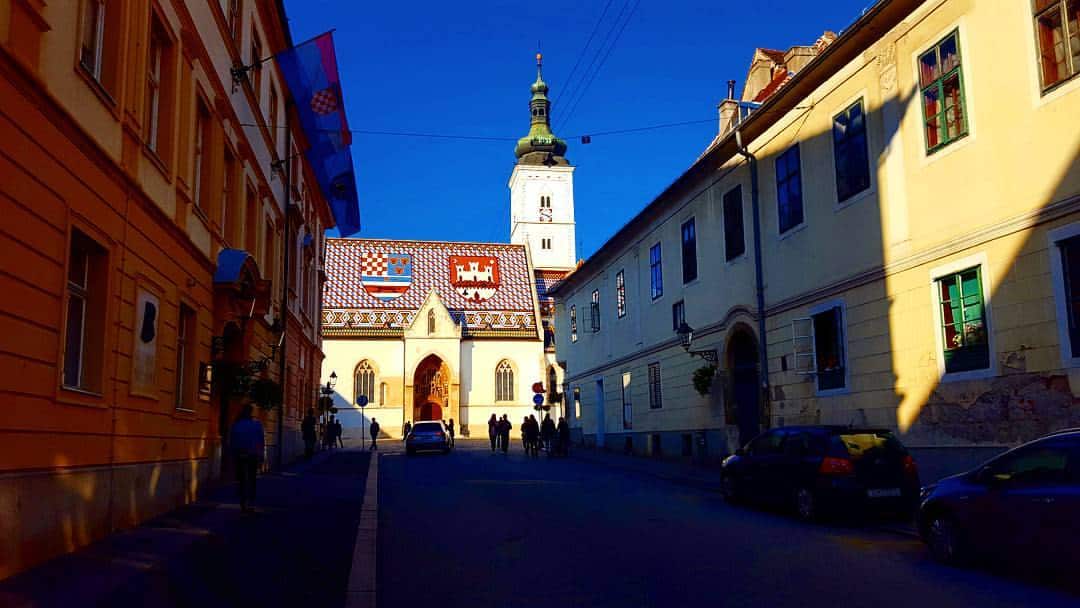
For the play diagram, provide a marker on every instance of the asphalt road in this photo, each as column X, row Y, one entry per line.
column 477, row 529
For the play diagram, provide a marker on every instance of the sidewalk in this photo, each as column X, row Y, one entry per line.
column 296, row 550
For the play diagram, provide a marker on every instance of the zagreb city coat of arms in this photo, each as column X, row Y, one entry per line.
column 475, row 278
column 386, row 275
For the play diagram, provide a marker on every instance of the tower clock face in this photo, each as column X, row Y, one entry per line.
column 545, row 214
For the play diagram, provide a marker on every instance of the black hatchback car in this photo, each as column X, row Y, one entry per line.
column 1023, row 505
column 819, row 470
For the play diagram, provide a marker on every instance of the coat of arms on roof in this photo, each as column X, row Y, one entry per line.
column 386, row 275
column 475, row 278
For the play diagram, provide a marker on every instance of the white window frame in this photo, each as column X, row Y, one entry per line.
column 1057, row 274
column 627, row 402
column 97, row 32
column 816, row 310
column 980, row 260
column 155, row 61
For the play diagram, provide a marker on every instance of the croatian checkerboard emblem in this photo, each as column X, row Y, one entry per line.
column 475, row 277
column 324, row 101
column 386, row 275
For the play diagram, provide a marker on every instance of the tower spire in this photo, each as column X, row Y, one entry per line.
column 540, row 146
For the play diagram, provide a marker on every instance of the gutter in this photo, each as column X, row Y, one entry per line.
column 759, row 278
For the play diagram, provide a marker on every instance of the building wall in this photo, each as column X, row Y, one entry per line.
column 988, row 199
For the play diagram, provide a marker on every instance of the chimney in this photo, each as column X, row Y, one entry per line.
column 729, row 110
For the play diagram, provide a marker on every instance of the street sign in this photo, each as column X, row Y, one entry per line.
column 361, row 400
column 538, row 387
column 538, row 399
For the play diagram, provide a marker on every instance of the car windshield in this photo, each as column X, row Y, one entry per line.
column 859, row 443
column 430, row 427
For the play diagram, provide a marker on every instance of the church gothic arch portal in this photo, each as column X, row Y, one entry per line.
column 431, row 389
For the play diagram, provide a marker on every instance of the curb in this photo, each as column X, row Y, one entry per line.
column 360, row 591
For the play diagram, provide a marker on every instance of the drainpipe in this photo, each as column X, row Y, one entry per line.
column 763, row 362
column 287, row 170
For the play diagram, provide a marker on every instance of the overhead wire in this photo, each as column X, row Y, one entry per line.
column 581, row 55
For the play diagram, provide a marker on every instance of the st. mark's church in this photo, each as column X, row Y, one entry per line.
column 434, row 330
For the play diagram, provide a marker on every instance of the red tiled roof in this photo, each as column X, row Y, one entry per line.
column 778, row 81
column 349, row 308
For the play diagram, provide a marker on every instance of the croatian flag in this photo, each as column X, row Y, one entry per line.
column 311, row 73
column 386, row 275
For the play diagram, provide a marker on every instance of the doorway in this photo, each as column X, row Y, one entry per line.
column 431, row 389
column 742, row 361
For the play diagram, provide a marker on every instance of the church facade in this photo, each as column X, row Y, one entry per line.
column 437, row 330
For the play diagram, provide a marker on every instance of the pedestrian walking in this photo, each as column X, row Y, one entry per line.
column 374, row 433
column 307, row 430
column 504, row 433
column 493, row 431
column 563, row 431
column 328, row 434
column 450, row 431
column 337, row 434
column 248, row 444
column 405, row 432
column 547, row 433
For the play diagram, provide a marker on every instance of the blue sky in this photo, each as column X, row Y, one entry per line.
column 464, row 68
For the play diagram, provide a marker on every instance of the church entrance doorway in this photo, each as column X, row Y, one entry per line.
column 431, row 389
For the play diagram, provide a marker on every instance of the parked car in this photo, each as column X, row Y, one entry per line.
column 429, row 435
column 1024, row 504
column 820, row 470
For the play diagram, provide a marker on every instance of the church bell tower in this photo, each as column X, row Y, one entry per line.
column 542, row 189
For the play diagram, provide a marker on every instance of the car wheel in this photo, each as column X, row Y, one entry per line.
column 943, row 539
column 729, row 489
column 806, row 506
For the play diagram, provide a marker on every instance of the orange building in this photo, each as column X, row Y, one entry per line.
column 153, row 201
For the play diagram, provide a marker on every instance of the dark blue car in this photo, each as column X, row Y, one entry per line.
column 1024, row 504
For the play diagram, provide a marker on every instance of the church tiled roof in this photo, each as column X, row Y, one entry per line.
column 374, row 287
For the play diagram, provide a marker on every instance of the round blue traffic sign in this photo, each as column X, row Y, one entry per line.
column 538, row 399
column 361, row 400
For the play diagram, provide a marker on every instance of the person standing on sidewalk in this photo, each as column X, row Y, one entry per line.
column 405, row 431
column 493, row 432
column 337, row 434
column 547, row 433
column 374, row 433
column 248, row 444
column 563, row 431
column 504, row 433
column 450, row 431
column 307, row 429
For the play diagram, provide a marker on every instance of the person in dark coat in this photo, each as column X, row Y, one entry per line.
column 493, row 432
column 405, row 431
column 504, row 433
column 374, row 433
column 450, row 431
column 307, row 430
column 328, row 434
column 337, row 434
column 564, row 437
column 547, row 433
column 247, row 442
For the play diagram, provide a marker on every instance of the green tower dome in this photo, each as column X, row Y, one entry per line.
column 540, row 146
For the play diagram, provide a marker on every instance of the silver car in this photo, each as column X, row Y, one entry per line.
column 428, row 435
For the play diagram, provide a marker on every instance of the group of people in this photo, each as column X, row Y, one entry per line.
column 552, row 438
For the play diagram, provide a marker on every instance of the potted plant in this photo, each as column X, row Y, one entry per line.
column 703, row 379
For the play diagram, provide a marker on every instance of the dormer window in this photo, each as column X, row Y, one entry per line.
column 545, row 202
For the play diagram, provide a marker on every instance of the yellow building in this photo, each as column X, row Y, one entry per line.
column 909, row 191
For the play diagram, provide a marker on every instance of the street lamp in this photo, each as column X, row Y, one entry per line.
column 327, row 390
column 686, row 338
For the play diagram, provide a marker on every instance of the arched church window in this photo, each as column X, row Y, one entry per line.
column 382, row 394
column 365, row 381
column 431, row 322
column 504, row 381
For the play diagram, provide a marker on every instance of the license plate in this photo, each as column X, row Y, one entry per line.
column 883, row 492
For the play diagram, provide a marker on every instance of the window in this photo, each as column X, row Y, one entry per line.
column 594, row 310
column 365, row 381
column 689, row 251
column 678, row 315
column 963, row 322
column 1057, row 26
column 655, row 398
column 272, row 116
column 185, row 351
column 545, row 243
column 620, row 294
column 1046, row 462
column 545, row 202
column 573, row 323
column 382, row 393
column 270, row 256
column 768, row 443
column 829, row 349
column 201, row 164
column 627, row 409
column 789, row 204
column 251, row 221
column 228, row 181
column 577, row 402
column 549, row 335
column 656, row 272
column 84, row 336
column 234, row 20
column 504, row 381
column 1070, row 273
column 942, row 86
column 734, row 242
column 431, row 322
column 850, row 152
column 255, row 63
column 98, row 49
column 154, row 65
